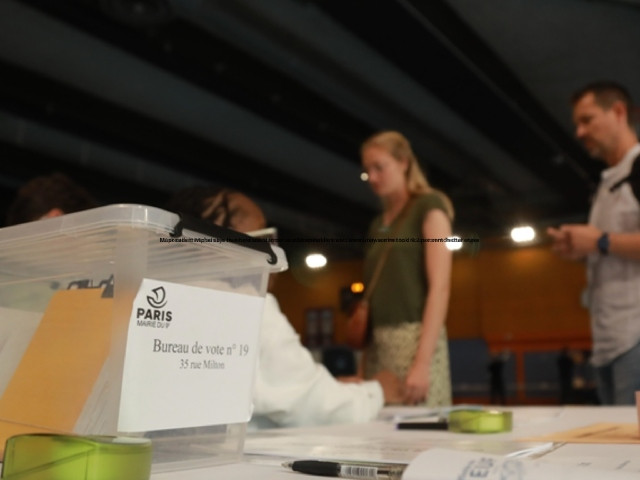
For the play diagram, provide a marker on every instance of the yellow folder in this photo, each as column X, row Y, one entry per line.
column 59, row 368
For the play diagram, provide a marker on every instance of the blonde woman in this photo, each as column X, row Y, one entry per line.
column 409, row 302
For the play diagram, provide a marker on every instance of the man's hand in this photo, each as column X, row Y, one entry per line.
column 560, row 241
column 574, row 241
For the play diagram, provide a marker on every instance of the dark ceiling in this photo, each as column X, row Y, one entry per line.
column 136, row 99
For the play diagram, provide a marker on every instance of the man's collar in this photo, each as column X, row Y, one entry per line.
column 624, row 164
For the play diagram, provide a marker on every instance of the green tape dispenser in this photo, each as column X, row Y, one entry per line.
column 43, row 456
column 480, row 421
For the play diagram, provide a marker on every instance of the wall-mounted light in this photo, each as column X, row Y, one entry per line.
column 364, row 176
column 453, row 243
column 357, row 287
column 523, row 234
column 315, row 260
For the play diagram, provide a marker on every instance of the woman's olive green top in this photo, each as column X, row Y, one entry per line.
column 401, row 289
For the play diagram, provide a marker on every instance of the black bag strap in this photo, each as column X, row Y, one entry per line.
column 633, row 178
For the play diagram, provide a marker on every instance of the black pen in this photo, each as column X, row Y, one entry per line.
column 364, row 471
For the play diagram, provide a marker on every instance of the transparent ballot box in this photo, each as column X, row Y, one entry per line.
column 130, row 320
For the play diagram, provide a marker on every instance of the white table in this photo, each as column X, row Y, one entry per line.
column 380, row 440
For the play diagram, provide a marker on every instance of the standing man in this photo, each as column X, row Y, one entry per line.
column 610, row 242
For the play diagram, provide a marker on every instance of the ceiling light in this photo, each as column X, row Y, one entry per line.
column 453, row 243
column 523, row 234
column 364, row 176
column 315, row 260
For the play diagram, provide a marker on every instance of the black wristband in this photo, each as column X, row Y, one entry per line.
column 603, row 243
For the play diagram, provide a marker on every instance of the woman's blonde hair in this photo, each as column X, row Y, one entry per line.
column 399, row 148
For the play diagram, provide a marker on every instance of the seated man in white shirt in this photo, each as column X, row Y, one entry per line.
column 291, row 389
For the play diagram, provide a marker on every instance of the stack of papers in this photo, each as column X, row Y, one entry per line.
column 444, row 464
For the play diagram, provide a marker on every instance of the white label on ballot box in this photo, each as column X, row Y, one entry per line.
column 190, row 357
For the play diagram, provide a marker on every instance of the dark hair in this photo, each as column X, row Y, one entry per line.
column 41, row 194
column 606, row 93
column 197, row 200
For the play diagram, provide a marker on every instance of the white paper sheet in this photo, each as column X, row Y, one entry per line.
column 16, row 329
column 190, row 357
column 445, row 464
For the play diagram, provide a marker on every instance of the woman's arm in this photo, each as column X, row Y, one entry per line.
column 438, row 260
